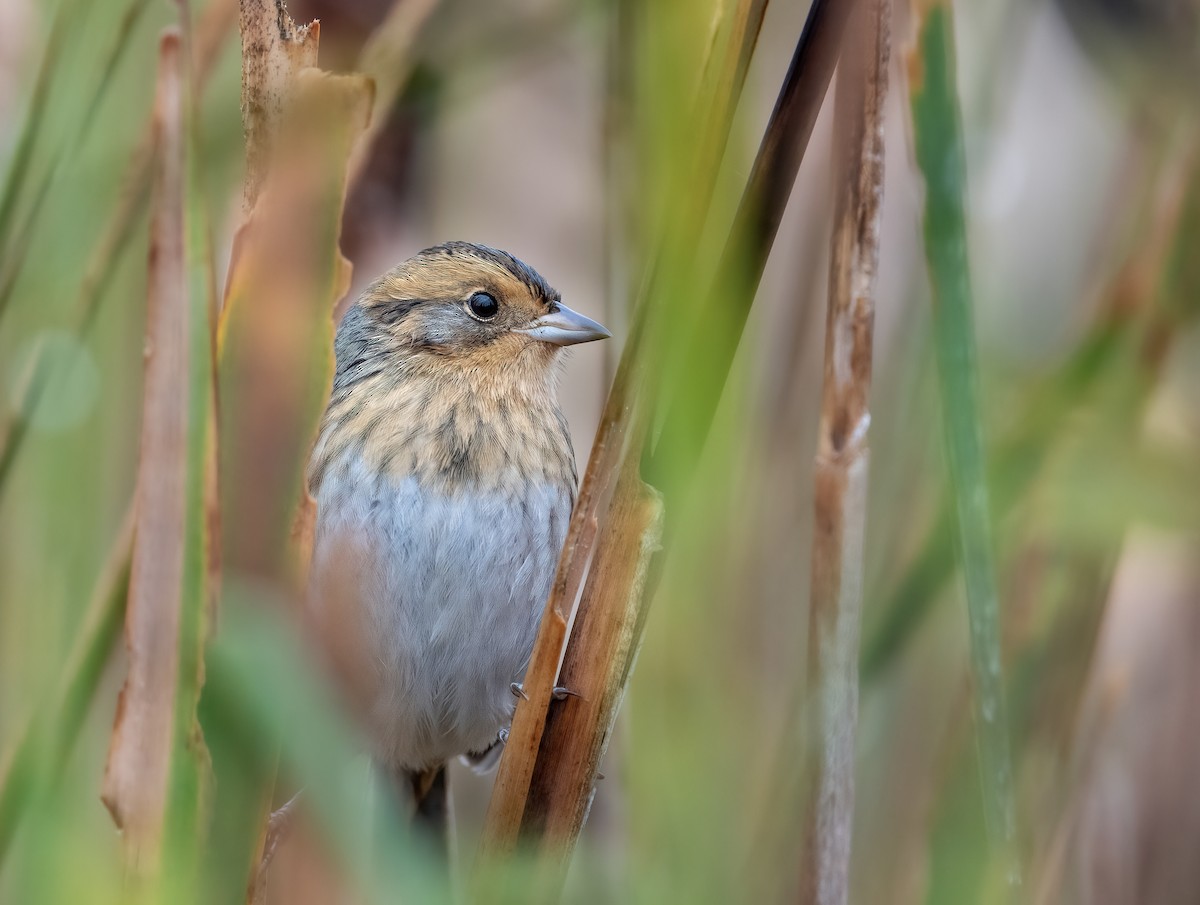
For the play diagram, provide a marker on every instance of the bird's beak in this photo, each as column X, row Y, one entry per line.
column 564, row 327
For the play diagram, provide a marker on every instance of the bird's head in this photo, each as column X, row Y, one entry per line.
column 461, row 304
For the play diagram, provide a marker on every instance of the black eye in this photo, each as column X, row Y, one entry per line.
column 483, row 306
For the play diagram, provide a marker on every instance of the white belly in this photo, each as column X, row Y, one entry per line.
column 446, row 593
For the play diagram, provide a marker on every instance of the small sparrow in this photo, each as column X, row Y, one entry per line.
column 444, row 480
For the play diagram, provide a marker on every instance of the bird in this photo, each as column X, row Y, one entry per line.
column 444, row 478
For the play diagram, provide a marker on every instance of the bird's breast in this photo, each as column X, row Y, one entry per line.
column 446, row 438
column 440, row 597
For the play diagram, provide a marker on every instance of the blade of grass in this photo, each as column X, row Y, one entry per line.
column 16, row 178
column 155, row 762
column 41, row 753
column 695, row 382
column 14, row 254
column 1132, row 308
column 212, row 30
column 940, row 156
column 840, row 472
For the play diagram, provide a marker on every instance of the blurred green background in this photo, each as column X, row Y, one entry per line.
column 552, row 129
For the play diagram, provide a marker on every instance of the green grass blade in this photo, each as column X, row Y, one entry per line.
column 16, row 242
column 41, row 753
column 939, row 146
column 31, row 129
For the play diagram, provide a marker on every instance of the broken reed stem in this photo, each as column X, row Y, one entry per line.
column 274, row 50
column 840, row 472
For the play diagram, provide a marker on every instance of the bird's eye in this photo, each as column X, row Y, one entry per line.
column 483, row 306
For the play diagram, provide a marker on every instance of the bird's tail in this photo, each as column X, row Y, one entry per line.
column 431, row 803
column 423, row 797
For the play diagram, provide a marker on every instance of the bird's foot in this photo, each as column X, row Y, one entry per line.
column 503, row 736
column 560, row 692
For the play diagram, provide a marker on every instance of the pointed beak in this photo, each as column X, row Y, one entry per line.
column 564, row 327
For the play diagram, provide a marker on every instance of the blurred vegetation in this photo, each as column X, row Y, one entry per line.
column 568, row 133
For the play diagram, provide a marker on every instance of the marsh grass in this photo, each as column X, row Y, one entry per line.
column 986, row 574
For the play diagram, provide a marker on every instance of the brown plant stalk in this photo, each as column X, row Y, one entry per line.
column 840, row 472
column 139, row 762
column 286, row 271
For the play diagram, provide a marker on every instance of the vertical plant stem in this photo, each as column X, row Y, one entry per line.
column 840, row 474
column 939, row 147
column 577, row 732
column 155, row 759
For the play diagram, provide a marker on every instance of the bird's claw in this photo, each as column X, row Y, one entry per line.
column 503, row 736
column 560, row 692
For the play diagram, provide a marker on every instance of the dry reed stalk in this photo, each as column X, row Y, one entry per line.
column 840, row 473
column 286, row 273
column 274, row 50
column 165, row 591
column 286, row 269
column 610, row 617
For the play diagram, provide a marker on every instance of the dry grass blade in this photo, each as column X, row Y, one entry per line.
column 274, row 50
column 275, row 333
column 840, row 474
column 136, row 778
